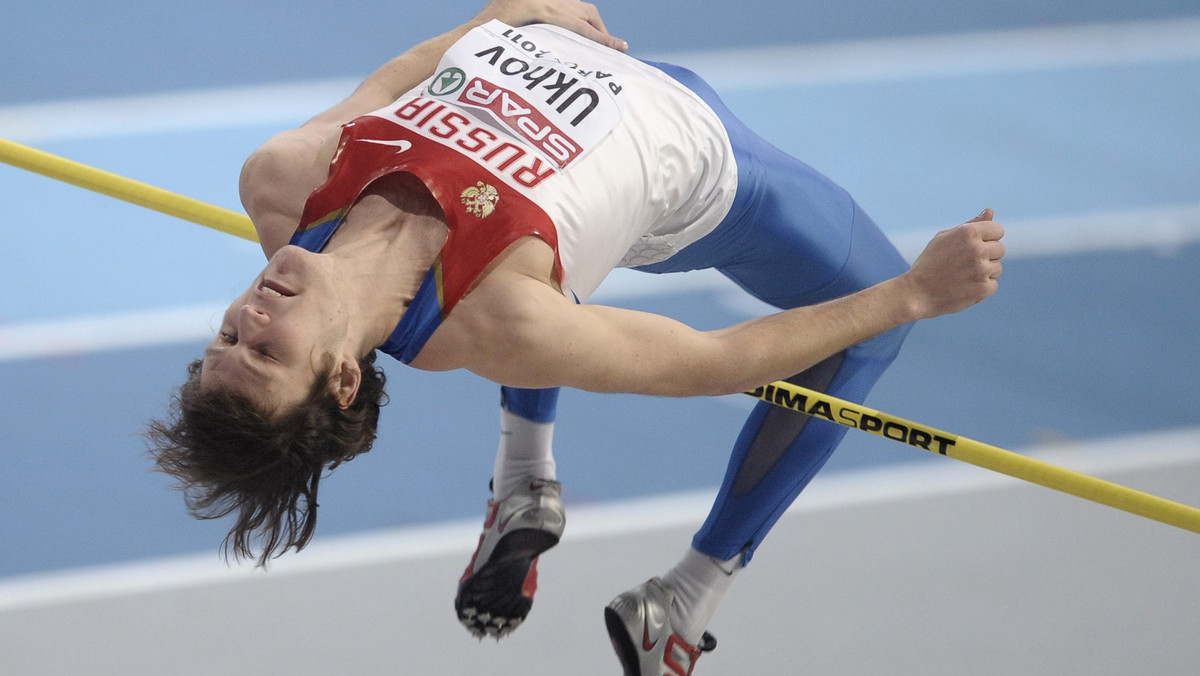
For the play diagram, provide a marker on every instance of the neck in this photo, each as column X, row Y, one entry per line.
column 382, row 252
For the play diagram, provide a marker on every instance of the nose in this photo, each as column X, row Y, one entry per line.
column 251, row 318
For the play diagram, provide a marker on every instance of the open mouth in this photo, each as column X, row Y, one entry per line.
column 274, row 288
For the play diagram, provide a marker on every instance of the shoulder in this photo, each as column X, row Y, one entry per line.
column 278, row 177
column 496, row 325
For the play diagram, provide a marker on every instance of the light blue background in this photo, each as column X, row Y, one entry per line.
column 1080, row 345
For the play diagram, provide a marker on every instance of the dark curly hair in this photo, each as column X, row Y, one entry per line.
column 229, row 457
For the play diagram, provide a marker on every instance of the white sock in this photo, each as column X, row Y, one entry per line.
column 525, row 451
column 700, row 584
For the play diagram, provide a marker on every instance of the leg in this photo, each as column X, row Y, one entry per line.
column 526, row 436
column 791, row 238
column 524, row 518
column 778, row 451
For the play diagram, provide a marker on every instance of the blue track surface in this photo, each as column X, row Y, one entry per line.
column 1078, row 344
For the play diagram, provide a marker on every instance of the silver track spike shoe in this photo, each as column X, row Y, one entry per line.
column 639, row 626
column 496, row 591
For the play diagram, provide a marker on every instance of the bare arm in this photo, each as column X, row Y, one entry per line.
column 520, row 332
column 278, row 177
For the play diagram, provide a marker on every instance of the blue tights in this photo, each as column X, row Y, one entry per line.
column 791, row 238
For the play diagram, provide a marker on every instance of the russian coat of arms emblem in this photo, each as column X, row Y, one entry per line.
column 480, row 199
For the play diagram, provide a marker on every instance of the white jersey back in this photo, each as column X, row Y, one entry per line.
column 636, row 165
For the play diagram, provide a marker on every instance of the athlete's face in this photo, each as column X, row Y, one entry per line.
column 281, row 335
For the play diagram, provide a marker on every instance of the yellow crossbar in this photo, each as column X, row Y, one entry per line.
column 779, row 393
column 980, row 454
column 126, row 189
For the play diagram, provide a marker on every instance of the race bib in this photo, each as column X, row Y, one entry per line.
column 559, row 108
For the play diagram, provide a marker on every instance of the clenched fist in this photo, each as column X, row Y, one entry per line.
column 959, row 267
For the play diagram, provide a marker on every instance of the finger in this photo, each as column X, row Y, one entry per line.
column 988, row 231
column 985, row 215
column 993, row 250
column 992, row 287
column 995, row 271
column 994, row 231
column 592, row 17
column 588, row 30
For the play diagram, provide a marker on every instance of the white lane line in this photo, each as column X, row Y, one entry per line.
column 85, row 335
column 846, row 490
column 282, row 106
column 1029, row 49
column 1161, row 229
column 912, row 58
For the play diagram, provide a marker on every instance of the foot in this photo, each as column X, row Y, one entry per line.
column 496, row 591
column 639, row 625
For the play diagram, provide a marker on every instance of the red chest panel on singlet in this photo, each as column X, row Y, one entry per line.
column 484, row 214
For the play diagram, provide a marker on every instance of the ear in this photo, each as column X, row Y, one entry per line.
column 346, row 380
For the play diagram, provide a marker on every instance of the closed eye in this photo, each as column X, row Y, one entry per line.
column 231, row 339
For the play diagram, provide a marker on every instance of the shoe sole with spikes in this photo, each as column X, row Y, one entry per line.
column 496, row 591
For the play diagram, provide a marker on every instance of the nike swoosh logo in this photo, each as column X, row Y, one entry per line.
column 646, row 644
column 399, row 143
column 503, row 524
